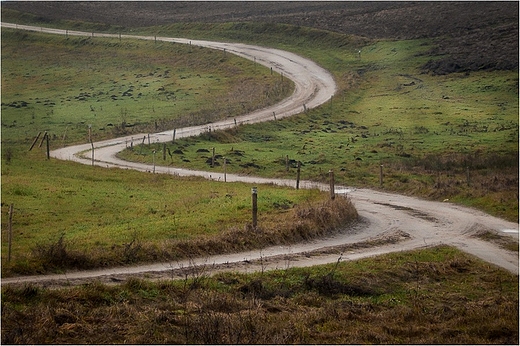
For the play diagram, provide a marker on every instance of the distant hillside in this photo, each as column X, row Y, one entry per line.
column 472, row 35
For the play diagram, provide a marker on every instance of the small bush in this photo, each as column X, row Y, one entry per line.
column 55, row 255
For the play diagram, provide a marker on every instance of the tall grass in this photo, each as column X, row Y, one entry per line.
column 430, row 296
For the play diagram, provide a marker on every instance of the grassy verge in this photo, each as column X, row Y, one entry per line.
column 431, row 296
column 73, row 216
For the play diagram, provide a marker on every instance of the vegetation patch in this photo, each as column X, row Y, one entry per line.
column 430, row 296
column 443, row 137
column 71, row 216
column 53, row 83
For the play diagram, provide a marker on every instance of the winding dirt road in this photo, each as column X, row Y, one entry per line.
column 411, row 222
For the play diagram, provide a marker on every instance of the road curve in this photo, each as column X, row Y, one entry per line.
column 426, row 223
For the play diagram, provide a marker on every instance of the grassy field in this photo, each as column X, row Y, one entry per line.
column 74, row 216
column 54, row 83
column 431, row 296
column 71, row 216
column 443, row 137
column 426, row 130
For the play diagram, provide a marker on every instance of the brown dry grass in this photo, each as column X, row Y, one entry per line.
column 433, row 296
column 300, row 223
column 284, row 226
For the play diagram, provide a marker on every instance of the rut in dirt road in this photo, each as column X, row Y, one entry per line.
column 426, row 223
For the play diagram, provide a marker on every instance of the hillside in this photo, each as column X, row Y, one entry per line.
column 472, row 35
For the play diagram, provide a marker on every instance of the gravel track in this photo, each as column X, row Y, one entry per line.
column 414, row 222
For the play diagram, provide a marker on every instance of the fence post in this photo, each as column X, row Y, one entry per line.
column 254, row 193
column 173, row 138
column 287, row 163
column 225, row 178
column 154, row 161
column 164, row 152
column 10, row 230
column 331, row 179
column 381, row 175
column 213, row 158
column 92, row 145
column 298, row 175
column 35, row 140
column 467, row 175
column 48, row 148
column 43, row 138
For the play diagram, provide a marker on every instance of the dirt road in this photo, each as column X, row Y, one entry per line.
column 412, row 221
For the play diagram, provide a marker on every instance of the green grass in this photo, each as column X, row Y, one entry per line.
column 99, row 210
column 431, row 296
column 53, row 83
column 63, row 85
column 426, row 130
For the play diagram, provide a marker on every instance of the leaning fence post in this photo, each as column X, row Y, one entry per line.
column 35, row 140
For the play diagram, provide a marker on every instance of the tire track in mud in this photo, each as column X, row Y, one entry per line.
column 390, row 222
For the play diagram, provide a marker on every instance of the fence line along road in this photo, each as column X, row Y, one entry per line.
column 427, row 222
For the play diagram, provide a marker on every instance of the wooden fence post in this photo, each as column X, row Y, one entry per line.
column 154, row 161
column 213, row 158
column 35, row 140
column 10, row 230
column 254, row 193
column 331, row 181
column 48, row 148
column 287, row 163
column 298, row 175
column 381, row 175
column 164, row 152
column 225, row 173
column 43, row 138
column 173, row 138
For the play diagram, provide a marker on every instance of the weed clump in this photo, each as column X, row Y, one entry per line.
column 57, row 255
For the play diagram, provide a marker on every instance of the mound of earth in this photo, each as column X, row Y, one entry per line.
column 472, row 35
